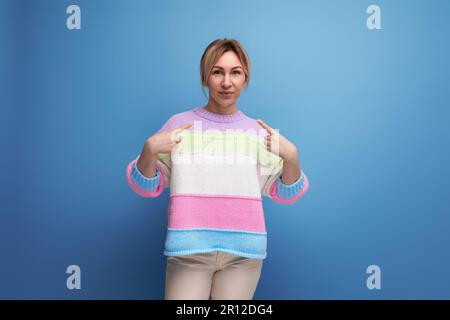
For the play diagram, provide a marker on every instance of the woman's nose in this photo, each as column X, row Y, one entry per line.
column 226, row 81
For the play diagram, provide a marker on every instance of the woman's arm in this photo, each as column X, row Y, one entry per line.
column 291, row 167
column 149, row 173
column 147, row 161
column 292, row 183
column 286, row 150
column 161, row 142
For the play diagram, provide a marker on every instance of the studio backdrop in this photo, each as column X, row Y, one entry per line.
column 360, row 87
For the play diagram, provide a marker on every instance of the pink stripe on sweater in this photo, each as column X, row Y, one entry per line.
column 233, row 196
column 140, row 191
column 273, row 191
column 217, row 212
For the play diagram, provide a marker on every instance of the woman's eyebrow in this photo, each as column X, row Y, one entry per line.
column 231, row 68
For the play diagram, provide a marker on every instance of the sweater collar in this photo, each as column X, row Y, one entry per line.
column 217, row 117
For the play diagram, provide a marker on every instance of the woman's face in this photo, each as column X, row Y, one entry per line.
column 226, row 80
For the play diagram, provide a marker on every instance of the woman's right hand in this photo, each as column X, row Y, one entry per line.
column 164, row 142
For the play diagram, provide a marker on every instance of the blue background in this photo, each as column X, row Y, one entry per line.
column 367, row 109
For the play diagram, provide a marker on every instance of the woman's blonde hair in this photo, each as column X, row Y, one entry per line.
column 213, row 53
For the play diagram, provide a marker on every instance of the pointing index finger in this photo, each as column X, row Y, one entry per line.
column 185, row 125
column 265, row 126
column 175, row 133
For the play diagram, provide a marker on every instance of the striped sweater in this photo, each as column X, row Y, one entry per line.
column 217, row 176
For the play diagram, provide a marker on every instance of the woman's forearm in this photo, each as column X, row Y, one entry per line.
column 147, row 162
column 291, row 168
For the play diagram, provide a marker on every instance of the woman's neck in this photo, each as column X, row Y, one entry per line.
column 214, row 107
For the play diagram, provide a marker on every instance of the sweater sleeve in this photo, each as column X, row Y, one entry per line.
column 151, row 187
column 142, row 181
column 288, row 193
column 144, row 186
column 270, row 167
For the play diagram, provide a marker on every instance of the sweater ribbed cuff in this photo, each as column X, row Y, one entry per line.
column 290, row 190
column 142, row 181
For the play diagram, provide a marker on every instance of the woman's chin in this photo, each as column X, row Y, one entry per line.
column 226, row 106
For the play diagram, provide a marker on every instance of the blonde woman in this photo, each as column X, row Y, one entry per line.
column 218, row 163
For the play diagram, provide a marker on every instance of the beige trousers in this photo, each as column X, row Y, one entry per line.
column 213, row 275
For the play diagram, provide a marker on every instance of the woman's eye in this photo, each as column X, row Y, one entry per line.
column 220, row 72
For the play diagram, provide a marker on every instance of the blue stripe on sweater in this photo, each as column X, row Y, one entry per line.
column 200, row 240
column 142, row 181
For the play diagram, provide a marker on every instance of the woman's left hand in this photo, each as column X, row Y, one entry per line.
column 278, row 144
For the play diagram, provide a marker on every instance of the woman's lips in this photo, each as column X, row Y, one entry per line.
column 226, row 94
